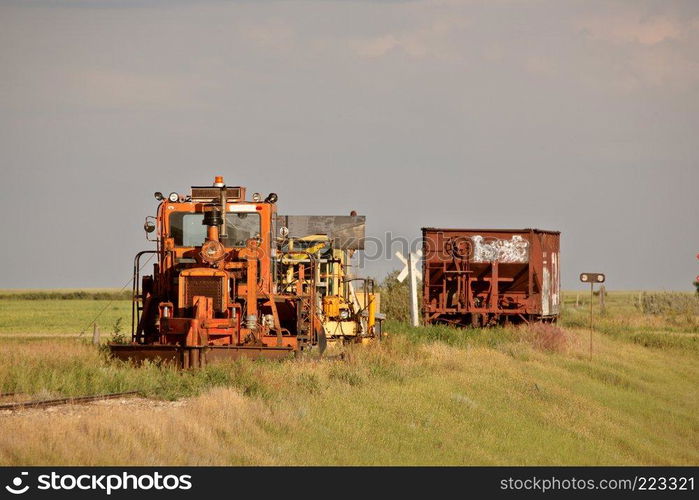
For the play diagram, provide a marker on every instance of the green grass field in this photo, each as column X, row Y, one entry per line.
column 433, row 395
column 62, row 311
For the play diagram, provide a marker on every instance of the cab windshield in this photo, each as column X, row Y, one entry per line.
column 187, row 230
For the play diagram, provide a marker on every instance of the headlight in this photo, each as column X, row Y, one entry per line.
column 174, row 197
column 256, row 197
column 159, row 196
column 344, row 314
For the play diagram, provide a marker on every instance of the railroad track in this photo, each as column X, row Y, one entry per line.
column 45, row 403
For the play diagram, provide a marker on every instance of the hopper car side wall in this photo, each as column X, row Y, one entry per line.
column 490, row 276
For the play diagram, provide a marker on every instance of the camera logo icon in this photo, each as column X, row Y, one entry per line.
column 16, row 487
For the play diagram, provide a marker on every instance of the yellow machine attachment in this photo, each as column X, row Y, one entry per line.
column 346, row 315
column 335, row 307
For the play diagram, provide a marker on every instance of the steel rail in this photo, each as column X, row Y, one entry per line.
column 45, row 403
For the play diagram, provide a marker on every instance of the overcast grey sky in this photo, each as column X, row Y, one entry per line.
column 577, row 116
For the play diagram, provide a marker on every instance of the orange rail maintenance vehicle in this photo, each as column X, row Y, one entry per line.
column 226, row 285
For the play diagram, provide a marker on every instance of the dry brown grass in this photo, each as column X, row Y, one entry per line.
column 213, row 428
column 548, row 337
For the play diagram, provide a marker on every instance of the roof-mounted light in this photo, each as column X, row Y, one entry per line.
column 174, row 197
column 159, row 196
column 218, row 181
column 256, row 197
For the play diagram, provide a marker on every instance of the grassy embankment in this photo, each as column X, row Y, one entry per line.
column 426, row 396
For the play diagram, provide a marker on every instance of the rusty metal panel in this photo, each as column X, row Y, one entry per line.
column 194, row 357
column 346, row 231
column 490, row 276
column 213, row 194
column 551, row 271
column 218, row 354
column 137, row 353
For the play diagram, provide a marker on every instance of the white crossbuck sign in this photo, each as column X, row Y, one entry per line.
column 412, row 272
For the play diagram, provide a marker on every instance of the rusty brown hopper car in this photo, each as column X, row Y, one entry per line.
column 485, row 277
